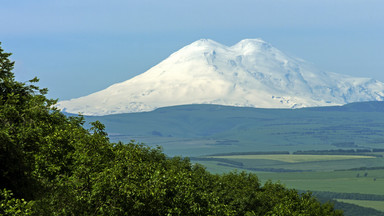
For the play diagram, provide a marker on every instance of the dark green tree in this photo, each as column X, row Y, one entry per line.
column 18, row 103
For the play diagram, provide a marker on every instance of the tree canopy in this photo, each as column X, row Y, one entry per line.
column 52, row 165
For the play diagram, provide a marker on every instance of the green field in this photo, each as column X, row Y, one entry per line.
column 379, row 205
column 365, row 180
column 337, row 181
column 296, row 158
column 339, row 174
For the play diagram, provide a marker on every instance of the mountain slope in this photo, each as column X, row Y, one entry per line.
column 251, row 73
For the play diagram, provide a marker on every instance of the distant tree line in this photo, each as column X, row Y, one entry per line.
column 362, row 168
column 361, row 152
column 277, row 170
column 377, row 150
column 350, row 209
column 263, row 169
column 251, row 153
column 223, row 160
column 236, row 164
column 353, row 196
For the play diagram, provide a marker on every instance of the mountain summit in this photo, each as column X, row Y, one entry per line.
column 251, row 73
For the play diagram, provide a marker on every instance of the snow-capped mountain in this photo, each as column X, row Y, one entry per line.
column 250, row 73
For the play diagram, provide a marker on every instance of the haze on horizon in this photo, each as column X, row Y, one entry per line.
column 80, row 47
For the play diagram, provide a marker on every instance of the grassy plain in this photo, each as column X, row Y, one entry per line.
column 378, row 205
column 293, row 158
column 336, row 181
column 366, row 181
column 336, row 178
column 330, row 173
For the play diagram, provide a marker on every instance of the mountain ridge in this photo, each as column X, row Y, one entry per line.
column 251, row 73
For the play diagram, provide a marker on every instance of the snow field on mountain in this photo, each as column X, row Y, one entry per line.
column 251, row 73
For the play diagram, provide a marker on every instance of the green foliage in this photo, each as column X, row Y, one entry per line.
column 12, row 206
column 20, row 130
column 289, row 202
column 56, row 167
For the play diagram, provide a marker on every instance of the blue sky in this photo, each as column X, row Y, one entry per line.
column 77, row 47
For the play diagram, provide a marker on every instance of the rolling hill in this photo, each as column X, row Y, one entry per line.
column 202, row 129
